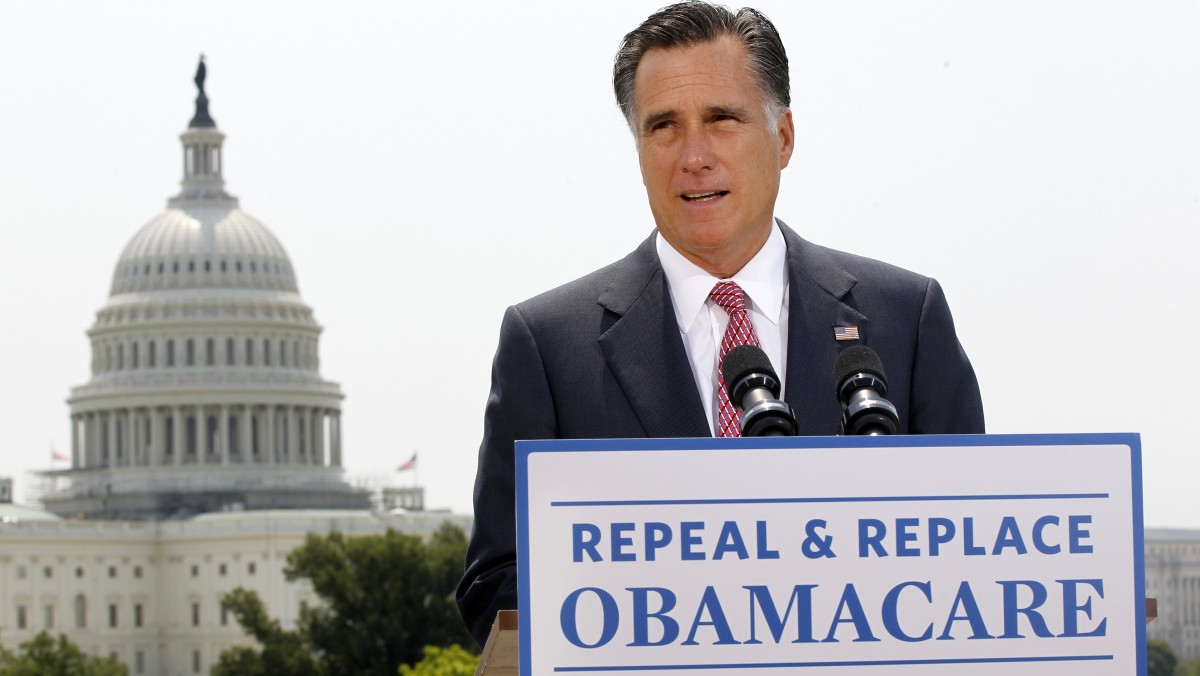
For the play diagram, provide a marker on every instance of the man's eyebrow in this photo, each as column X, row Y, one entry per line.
column 712, row 111
column 654, row 119
column 731, row 111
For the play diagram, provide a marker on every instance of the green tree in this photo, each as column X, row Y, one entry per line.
column 452, row 661
column 1160, row 658
column 383, row 599
column 43, row 655
column 1189, row 668
column 283, row 652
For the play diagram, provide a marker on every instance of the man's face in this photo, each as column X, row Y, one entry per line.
column 709, row 160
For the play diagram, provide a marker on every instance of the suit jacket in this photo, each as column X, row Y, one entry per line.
column 602, row 357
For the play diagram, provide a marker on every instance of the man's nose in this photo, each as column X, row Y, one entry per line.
column 697, row 153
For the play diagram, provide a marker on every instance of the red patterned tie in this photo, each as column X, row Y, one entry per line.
column 740, row 331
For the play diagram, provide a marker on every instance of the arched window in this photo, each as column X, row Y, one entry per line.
column 80, row 612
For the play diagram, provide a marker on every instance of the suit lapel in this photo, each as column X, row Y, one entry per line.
column 817, row 289
column 645, row 352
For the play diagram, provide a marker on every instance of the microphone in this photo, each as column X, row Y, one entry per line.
column 862, row 389
column 753, row 388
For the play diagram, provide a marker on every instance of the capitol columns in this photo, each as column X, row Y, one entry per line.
column 133, row 427
column 319, row 437
column 246, row 429
column 304, row 440
column 89, row 439
column 203, row 436
column 335, row 439
column 177, row 435
column 75, row 464
column 269, row 429
column 223, row 433
column 98, row 448
column 110, row 453
column 292, row 436
column 126, row 438
column 157, row 443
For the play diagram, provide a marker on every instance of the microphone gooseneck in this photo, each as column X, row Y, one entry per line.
column 862, row 392
column 754, row 388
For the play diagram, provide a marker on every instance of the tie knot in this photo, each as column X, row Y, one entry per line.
column 729, row 296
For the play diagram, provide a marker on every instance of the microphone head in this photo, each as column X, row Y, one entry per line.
column 857, row 359
column 745, row 360
column 859, row 363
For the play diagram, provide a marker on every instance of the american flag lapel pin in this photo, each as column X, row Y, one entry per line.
column 845, row 333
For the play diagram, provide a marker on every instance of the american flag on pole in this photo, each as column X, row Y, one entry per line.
column 55, row 456
column 409, row 464
column 845, row 333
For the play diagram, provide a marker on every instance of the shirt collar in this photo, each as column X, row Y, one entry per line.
column 763, row 279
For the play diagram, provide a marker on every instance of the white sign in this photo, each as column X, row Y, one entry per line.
column 893, row 555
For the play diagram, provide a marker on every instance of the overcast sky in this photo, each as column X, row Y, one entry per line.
column 425, row 166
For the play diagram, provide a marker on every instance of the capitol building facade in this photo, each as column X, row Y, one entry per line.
column 204, row 447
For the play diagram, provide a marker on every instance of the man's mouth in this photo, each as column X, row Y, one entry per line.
column 704, row 196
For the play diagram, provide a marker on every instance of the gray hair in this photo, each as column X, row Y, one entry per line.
column 697, row 22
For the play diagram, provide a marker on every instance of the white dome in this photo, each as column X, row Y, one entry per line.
column 206, row 392
column 200, row 245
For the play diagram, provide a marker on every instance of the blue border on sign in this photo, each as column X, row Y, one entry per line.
column 524, row 449
column 844, row 663
column 852, row 498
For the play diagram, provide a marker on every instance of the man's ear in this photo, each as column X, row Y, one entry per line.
column 787, row 137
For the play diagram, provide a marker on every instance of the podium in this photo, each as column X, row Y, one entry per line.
column 979, row 552
column 499, row 656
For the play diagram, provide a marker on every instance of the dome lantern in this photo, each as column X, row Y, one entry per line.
column 202, row 159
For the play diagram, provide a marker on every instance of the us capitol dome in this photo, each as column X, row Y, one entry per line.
column 205, row 391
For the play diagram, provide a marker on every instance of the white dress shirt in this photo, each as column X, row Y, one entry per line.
column 702, row 322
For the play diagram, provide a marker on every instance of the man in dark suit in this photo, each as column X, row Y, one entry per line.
column 631, row 350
